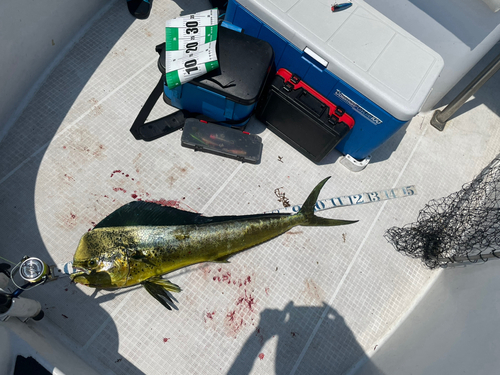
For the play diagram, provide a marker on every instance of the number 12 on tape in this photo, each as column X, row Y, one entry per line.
column 355, row 199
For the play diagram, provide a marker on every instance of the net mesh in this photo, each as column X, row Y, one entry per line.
column 465, row 226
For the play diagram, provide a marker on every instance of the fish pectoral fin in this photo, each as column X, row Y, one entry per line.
column 223, row 259
column 158, row 293
column 171, row 287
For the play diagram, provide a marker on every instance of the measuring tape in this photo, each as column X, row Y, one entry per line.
column 353, row 200
column 190, row 47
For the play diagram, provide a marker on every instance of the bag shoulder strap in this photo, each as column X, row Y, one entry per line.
column 146, row 110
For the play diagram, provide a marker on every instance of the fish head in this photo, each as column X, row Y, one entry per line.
column 101, row 262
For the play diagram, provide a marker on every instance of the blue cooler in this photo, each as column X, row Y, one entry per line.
column 356, row 58
column 229, row 94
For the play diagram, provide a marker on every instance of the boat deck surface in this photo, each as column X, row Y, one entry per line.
column 312, row 301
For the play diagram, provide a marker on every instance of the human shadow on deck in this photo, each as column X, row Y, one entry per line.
column 302, row 348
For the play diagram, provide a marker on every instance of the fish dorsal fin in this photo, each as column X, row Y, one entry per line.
column 149, row 214
column 140, row 213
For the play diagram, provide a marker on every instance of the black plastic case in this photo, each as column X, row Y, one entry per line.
column 221, row 140
column 302, row 117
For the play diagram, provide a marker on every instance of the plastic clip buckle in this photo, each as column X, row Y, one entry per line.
column 333, row 120
column 288, row 87
column 295, row 79
column 339, row 111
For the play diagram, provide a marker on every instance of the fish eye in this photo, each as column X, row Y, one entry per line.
column 92, row 263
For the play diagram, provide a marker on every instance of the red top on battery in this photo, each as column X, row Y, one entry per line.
column 297, row 84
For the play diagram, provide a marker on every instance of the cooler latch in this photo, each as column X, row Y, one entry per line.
column 288, row 87
column 333, row 120
column 295, row 79
column 339, row 111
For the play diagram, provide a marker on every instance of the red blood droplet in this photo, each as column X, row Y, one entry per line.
column 261, row 356
column 230, row 315
column 164, row 202
column 165, row 339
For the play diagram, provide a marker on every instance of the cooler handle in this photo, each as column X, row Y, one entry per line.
column 229, row 25
column 314, row 56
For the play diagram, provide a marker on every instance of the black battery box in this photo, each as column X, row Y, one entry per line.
column 220, row 140
column 302, row 117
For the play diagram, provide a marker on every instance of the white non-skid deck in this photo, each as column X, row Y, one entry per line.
column 313, row 301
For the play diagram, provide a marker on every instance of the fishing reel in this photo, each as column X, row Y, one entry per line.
column 33, row 271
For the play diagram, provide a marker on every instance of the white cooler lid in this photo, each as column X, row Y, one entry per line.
column 361, row 46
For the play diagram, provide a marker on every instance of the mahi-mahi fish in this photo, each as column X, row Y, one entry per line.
column 141, row 241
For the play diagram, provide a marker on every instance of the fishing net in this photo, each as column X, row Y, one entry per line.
column 465, row 226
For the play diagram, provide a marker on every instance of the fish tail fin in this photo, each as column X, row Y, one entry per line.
column 307, row 210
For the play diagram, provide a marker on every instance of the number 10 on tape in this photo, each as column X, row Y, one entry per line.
column 190, row 47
